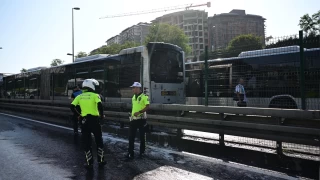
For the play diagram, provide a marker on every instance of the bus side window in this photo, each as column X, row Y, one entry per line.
column 127, row 59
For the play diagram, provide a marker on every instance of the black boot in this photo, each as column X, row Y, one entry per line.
column 89, row 159
column 100, row 158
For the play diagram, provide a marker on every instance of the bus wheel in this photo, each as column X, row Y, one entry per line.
column 283, row 102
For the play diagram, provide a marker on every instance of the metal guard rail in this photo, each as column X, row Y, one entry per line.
column 279, row 133
column 273, row 112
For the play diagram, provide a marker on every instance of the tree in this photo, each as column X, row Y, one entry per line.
column 169, row 34
column 310, row 41
column 23, row 70
column 56, row 62
column 237, row 45
column 316, row 17
column 113, row 48
column 307, row 24
column 316, row 20
column 242, row 43
column 81, row 54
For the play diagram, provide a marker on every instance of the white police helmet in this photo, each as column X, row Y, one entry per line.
column 90, row 83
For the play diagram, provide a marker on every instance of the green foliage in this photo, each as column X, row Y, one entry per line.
column 310, row 24
column 169, row 34
column 311, row 41
column 237, row 45
column 306, row 23
column 113, row 48
column 242, row 43
column 23, row 70
column 81, row 54
column 56, row 62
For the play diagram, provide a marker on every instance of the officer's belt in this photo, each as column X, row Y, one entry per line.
column 136, row 118
column 89, row 115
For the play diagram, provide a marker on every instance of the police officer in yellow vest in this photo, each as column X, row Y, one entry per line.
column 91, row 111
column 138, row 119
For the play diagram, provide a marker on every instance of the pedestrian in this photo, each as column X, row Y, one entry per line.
column 240, row 94
column 138, row 119
column 76, row 92
column 91, row 111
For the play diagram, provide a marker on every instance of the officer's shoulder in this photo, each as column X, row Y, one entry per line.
column 145, row 94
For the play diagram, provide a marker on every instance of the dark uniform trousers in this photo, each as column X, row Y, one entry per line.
column 75, row 119
column 134, row 125
column 90, row 125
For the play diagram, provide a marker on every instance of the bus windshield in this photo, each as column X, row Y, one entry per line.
column 166, row 66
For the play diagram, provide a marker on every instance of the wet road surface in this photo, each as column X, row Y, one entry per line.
column 30, row 149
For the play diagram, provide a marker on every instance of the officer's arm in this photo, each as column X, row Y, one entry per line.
column 73, row 106
column 100, row 108
column 147, row 103
column 99, row 104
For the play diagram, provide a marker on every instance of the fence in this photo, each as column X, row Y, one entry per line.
column 283, row 73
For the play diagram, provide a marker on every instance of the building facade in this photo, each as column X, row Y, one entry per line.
column 195, row 26
column 113, row 40
column 136, row 33
column 226, row 26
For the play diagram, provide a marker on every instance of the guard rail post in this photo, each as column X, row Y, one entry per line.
column 179, row 130
column 221, row 135
column 279, row 143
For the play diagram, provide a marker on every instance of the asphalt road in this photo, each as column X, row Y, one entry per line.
column 31, row 149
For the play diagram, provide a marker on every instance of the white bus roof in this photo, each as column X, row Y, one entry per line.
column 93, row 57
column 288, row 49
column 255, row 55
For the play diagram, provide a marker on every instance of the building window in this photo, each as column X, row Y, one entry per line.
column 200, row 33
column 201, row 46
column 200, row 27
column 199, row 20
column 201, row 40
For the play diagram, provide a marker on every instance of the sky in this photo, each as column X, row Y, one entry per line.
column 34, row 32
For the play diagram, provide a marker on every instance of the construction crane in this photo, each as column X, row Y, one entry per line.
column 186, row 7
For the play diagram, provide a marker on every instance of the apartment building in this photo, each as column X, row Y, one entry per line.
column 113, row 40
column 195, row 26
column 136, row 33
column 226, row 26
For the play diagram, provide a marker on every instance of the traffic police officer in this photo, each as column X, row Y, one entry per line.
column 76, row 92
column 91, row 111
column 140, row 104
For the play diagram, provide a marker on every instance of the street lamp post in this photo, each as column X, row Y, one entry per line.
column 75, row 8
